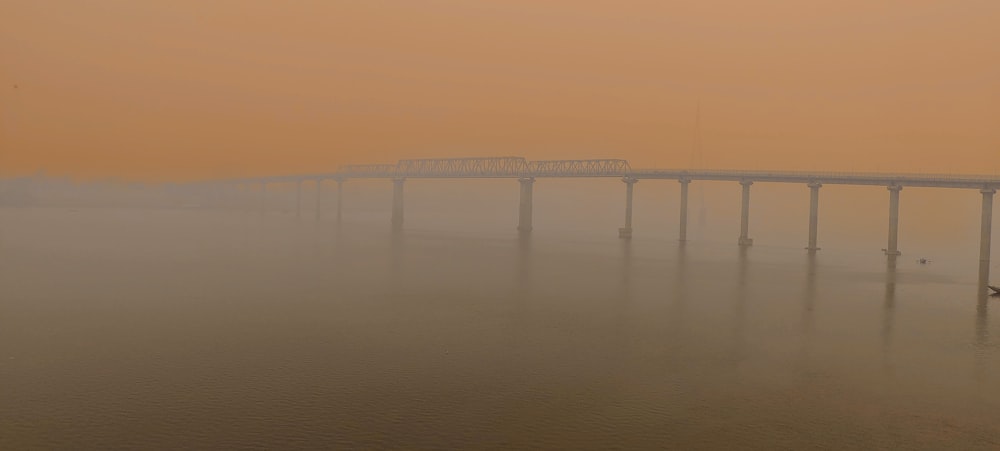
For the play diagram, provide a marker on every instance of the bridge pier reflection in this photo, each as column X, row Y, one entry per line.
column 677, row 310
column 340, row 201
column 982, row 291
column 684, row 209
column 397, row 204
column 745, row 239
column 739, row 350
column 626, row 232
column 246, row 196
column 523, row 259
column 525, row 204
column 893, row 248
column 263, row 197
column 888, row 309
column 981, row 341
column 298, row 199
column 987, row 227
column 813, row 215
column 809, row 299
column 319, row 196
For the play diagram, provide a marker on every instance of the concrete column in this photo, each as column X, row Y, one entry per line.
column 684, row 209
column 298, row 199
column 626, row 232
column 319, row 195
column 893, row 248
column 986, row 233
column 745, row 239
column 340, row 200
column 813, row 215
column 397, row 204
column 524, row 210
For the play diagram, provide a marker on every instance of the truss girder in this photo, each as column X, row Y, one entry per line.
column 462, row 167
column 579, row 168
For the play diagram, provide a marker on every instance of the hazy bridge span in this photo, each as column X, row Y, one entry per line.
column 497, row 167
column 526, row 172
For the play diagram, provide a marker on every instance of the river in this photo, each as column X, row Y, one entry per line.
column 130, row 329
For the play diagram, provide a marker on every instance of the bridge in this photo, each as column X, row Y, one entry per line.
column 526, row 172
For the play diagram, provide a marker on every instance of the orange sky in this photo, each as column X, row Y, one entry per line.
column 176, row 89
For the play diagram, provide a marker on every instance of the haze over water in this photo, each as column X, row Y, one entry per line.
column 138, row 311
column 131, row 328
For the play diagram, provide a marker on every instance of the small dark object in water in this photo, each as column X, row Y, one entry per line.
column 996, row 290
column 923, row 261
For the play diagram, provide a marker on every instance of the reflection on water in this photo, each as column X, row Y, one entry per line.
column 676, row 315
column 397, row 253
column 739, row 309
column 888, row 310
column 982, row 341
column 808, row 321
column 144, row 338
column 890, row 282
column 809, row 297
column 523, row 267
column 626, row 269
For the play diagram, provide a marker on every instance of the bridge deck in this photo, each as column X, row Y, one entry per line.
column 833, row 178
column 519, row 167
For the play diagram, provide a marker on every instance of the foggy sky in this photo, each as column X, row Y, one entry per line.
column 176, row 89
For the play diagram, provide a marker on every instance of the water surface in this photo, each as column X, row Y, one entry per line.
column 194, row 329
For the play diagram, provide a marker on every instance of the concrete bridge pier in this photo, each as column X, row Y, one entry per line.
column 893, row 247
column 340, row 200
column 684, row 209
column 626, row 232
column 813, row 215
column 524, row 209
column 319, row 195
column 397, row 204
column 986, row 233
column 745, row 239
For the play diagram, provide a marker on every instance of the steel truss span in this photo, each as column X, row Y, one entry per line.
column 579, row 168
column 506, row 167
